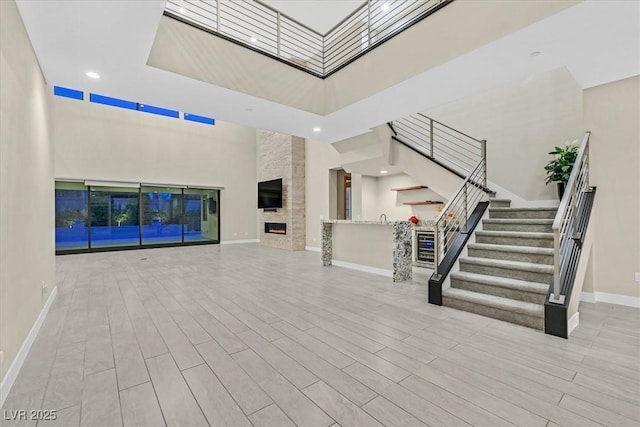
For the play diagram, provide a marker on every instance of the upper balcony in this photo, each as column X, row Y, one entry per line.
column 259, row 27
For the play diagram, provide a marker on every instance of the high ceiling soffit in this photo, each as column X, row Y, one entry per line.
column 596, row 41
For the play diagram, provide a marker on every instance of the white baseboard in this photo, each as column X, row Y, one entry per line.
column 312, row 248
column 610, row 298
column 235, row 242
column 573, row 323
column 21, row 356
column 365, row 268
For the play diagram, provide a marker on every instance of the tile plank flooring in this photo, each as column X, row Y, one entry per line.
column 240, row 335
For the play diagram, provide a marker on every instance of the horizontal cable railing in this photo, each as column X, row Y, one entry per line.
column 460, row 153
column 260, row 27
column 566, row 225
column 453, row 218
column 440, row 142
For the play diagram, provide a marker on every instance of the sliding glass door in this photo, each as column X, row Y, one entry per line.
column 115, row 217
column 71, row 210
column 161, row 215
column 201, row 209
column 101, row 217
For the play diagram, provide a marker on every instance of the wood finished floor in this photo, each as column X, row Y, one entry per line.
column 238, row 335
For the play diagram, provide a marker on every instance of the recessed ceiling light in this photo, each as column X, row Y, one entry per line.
column 316, row 129
column 535, row 53
column 253, row 40
column 385, row 6
column 182, row 10
column 383, row 171
column 92, row 74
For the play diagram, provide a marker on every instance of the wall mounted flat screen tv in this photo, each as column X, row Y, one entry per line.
column 270, row 194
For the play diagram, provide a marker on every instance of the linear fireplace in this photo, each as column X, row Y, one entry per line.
column 275, row 227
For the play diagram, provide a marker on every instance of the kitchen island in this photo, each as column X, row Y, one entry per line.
column 381, row 247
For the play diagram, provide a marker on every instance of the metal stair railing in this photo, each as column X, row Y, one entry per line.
column 454, row 217
column 566, row 226
column 441, row 143
column 461, row 154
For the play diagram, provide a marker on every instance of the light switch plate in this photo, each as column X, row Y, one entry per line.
column 638, row 276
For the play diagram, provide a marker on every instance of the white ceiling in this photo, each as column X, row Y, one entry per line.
column 597, row 41
column 319, row 15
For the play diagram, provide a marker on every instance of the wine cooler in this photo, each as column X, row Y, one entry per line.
column 424, row 248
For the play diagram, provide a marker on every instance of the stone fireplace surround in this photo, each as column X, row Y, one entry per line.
column 283, row 156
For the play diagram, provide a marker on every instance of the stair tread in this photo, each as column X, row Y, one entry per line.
column 495, row 199
column 525, row 234
column 503, row 282
column 499, row 209
column 513, row 265
column 511, row 248
column 507, row 304
column 534, row 221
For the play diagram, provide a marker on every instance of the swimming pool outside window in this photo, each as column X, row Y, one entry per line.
column 109, row 217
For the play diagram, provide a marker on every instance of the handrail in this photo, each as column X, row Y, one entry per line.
column 457, row 152
column 347, row 18
column 290, row 18
column 297, row 44
column 442, row 143
column 455, row 214
column 565, row 224
column 449, row 127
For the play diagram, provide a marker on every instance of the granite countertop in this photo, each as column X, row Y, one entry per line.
column 421, row 225
column 365, row 222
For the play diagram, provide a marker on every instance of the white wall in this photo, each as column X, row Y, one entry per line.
column 378, row 198
column 372, row 195
column 26, row 186
column 521, row 122
column 392, row 202
column 370, row 198
column 93, row 141
column 186, row 50
column 421, row 48
column 320, row 158
column 612, row 114
column 191, row 52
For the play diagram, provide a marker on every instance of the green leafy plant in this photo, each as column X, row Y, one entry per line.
column 71, row 216
column 120, row 216
column 160, row 216
column 559, row 169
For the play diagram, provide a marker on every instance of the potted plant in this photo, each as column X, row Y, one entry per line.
column 559, row 168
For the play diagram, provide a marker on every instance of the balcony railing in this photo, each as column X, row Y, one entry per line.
column 266, row 30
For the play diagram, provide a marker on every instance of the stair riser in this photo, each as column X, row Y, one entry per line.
column 511, row 256
column 515, row 241
column 530, row 276
column 508, row 316
column 538, row 228
column 551, row 214
column 500, row 203
column 498, row 291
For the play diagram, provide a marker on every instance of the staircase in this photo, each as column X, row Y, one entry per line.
column 508, row 270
